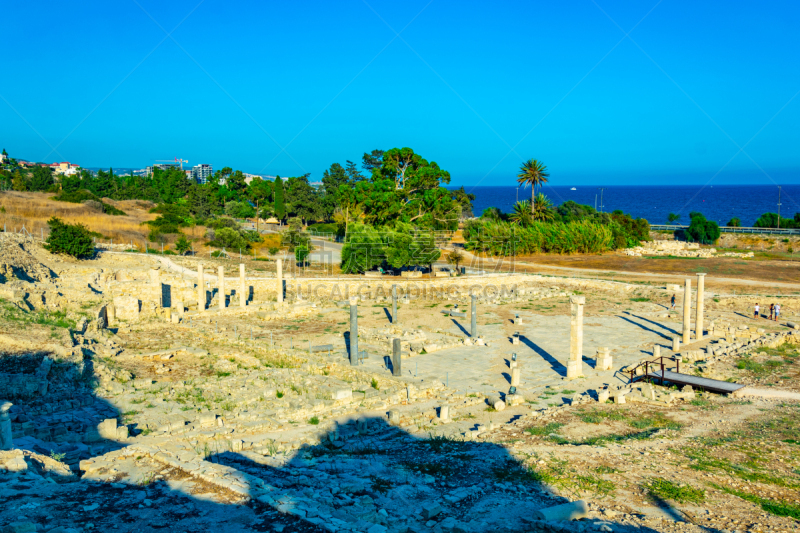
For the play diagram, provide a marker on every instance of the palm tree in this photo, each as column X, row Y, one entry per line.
column 522, row 213
column 543, row 208
column 533, row 173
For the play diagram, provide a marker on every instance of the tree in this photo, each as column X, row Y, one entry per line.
column 183, row 245
column 464, row 199
column 702, row 230
column 260, row 191
column 239, row 210
column 230, row 239
column 493, row 213
column 364, row 250
column 734, row 223
column 455, row 258
column 672, row 217
column 373, row 160
column 353, row 174
column 280, row 207
column 770, row 220
column 237, row 183
column 302, row 199
column 522, row 213
column 70, row 183
column 333, row 178
column 533, row 173
column 69, row 239
column 300, row 254
column 42, row 179
column 543, row 208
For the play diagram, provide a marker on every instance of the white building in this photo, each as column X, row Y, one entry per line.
column 201, row 173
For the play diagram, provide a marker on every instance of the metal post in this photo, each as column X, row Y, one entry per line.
column 353, row 331
column 473, row 317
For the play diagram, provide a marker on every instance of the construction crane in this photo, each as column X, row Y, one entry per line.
column 176, row 160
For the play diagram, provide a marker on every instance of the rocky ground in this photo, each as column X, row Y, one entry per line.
column 226, row 421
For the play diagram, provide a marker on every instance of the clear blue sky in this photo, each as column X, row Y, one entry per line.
column 472, row 85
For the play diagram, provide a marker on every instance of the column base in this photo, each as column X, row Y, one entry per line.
column 574, row 369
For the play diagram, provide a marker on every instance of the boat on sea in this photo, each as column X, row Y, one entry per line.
column 573, row 189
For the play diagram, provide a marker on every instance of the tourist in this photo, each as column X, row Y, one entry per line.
column 757, row 311
column 673, row 301
column 771, row 311
column 777, row 311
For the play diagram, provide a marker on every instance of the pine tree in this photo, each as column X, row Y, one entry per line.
column 280, row 208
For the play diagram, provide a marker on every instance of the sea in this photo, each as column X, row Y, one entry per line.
column 654, row 203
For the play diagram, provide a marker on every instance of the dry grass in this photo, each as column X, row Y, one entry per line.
column 33, row 209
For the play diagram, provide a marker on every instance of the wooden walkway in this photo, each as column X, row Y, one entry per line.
column 676, row 378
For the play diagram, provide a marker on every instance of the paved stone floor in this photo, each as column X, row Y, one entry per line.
column 542, row 353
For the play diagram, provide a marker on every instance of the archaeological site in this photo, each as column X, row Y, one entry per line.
column 145, row 392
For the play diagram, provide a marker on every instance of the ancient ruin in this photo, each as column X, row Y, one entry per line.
column 143, row 392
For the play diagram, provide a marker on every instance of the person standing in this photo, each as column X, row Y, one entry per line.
column 771, row 311
column 777, row 311
column 673, row 301
column 756, row 311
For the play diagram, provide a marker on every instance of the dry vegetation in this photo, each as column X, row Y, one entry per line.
column 33, row 209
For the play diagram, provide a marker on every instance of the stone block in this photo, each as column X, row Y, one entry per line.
column 566, row 511
column 107, row 429
column 429, row 510
column 603, row 395
column 127, row 308
column 342, row 394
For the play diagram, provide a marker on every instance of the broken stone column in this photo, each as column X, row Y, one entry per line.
column 201, row 289
column 444, row 412
column 394, row 305
column 111, row 314
column 242, row 287
column 279, row 264
column 698, row 321
column 353, row 331
column 515, row 377
column 396, row 356
column 6, row 441
column 604, row 361
column 676, row 344
column 575, row 364
column 656, row 351
column 687, row 310
column 221, row 283
column 473, row 316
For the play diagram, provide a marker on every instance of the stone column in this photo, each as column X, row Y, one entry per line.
column 394, row 305
column 604, row 359
column 444, row 412
column 396, row 357
column 656, row 351
column 242, row 287
column 676, row 344
column 6, row 442
column 280, row 280
column 221, row 283
column 473, row 332
column 687, row 310
column 698, row 321
column 353, row 331
column 201, row 289
column 575, row 364
column 515, row 377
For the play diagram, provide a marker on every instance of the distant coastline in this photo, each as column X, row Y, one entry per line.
column 719, row 203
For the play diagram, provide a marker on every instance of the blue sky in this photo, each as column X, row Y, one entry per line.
column 288, row 88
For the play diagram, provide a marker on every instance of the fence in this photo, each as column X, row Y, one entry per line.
column 729, row 229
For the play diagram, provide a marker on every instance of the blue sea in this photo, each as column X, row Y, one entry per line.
column 719, row 203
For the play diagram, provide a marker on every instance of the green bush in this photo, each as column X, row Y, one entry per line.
column 702, row 230
column 229, row 239
column 239, row 210
column 502, row 238
column 69, row 239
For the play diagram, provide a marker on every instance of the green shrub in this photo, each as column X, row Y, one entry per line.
column 702, row 230
column 69, row 239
